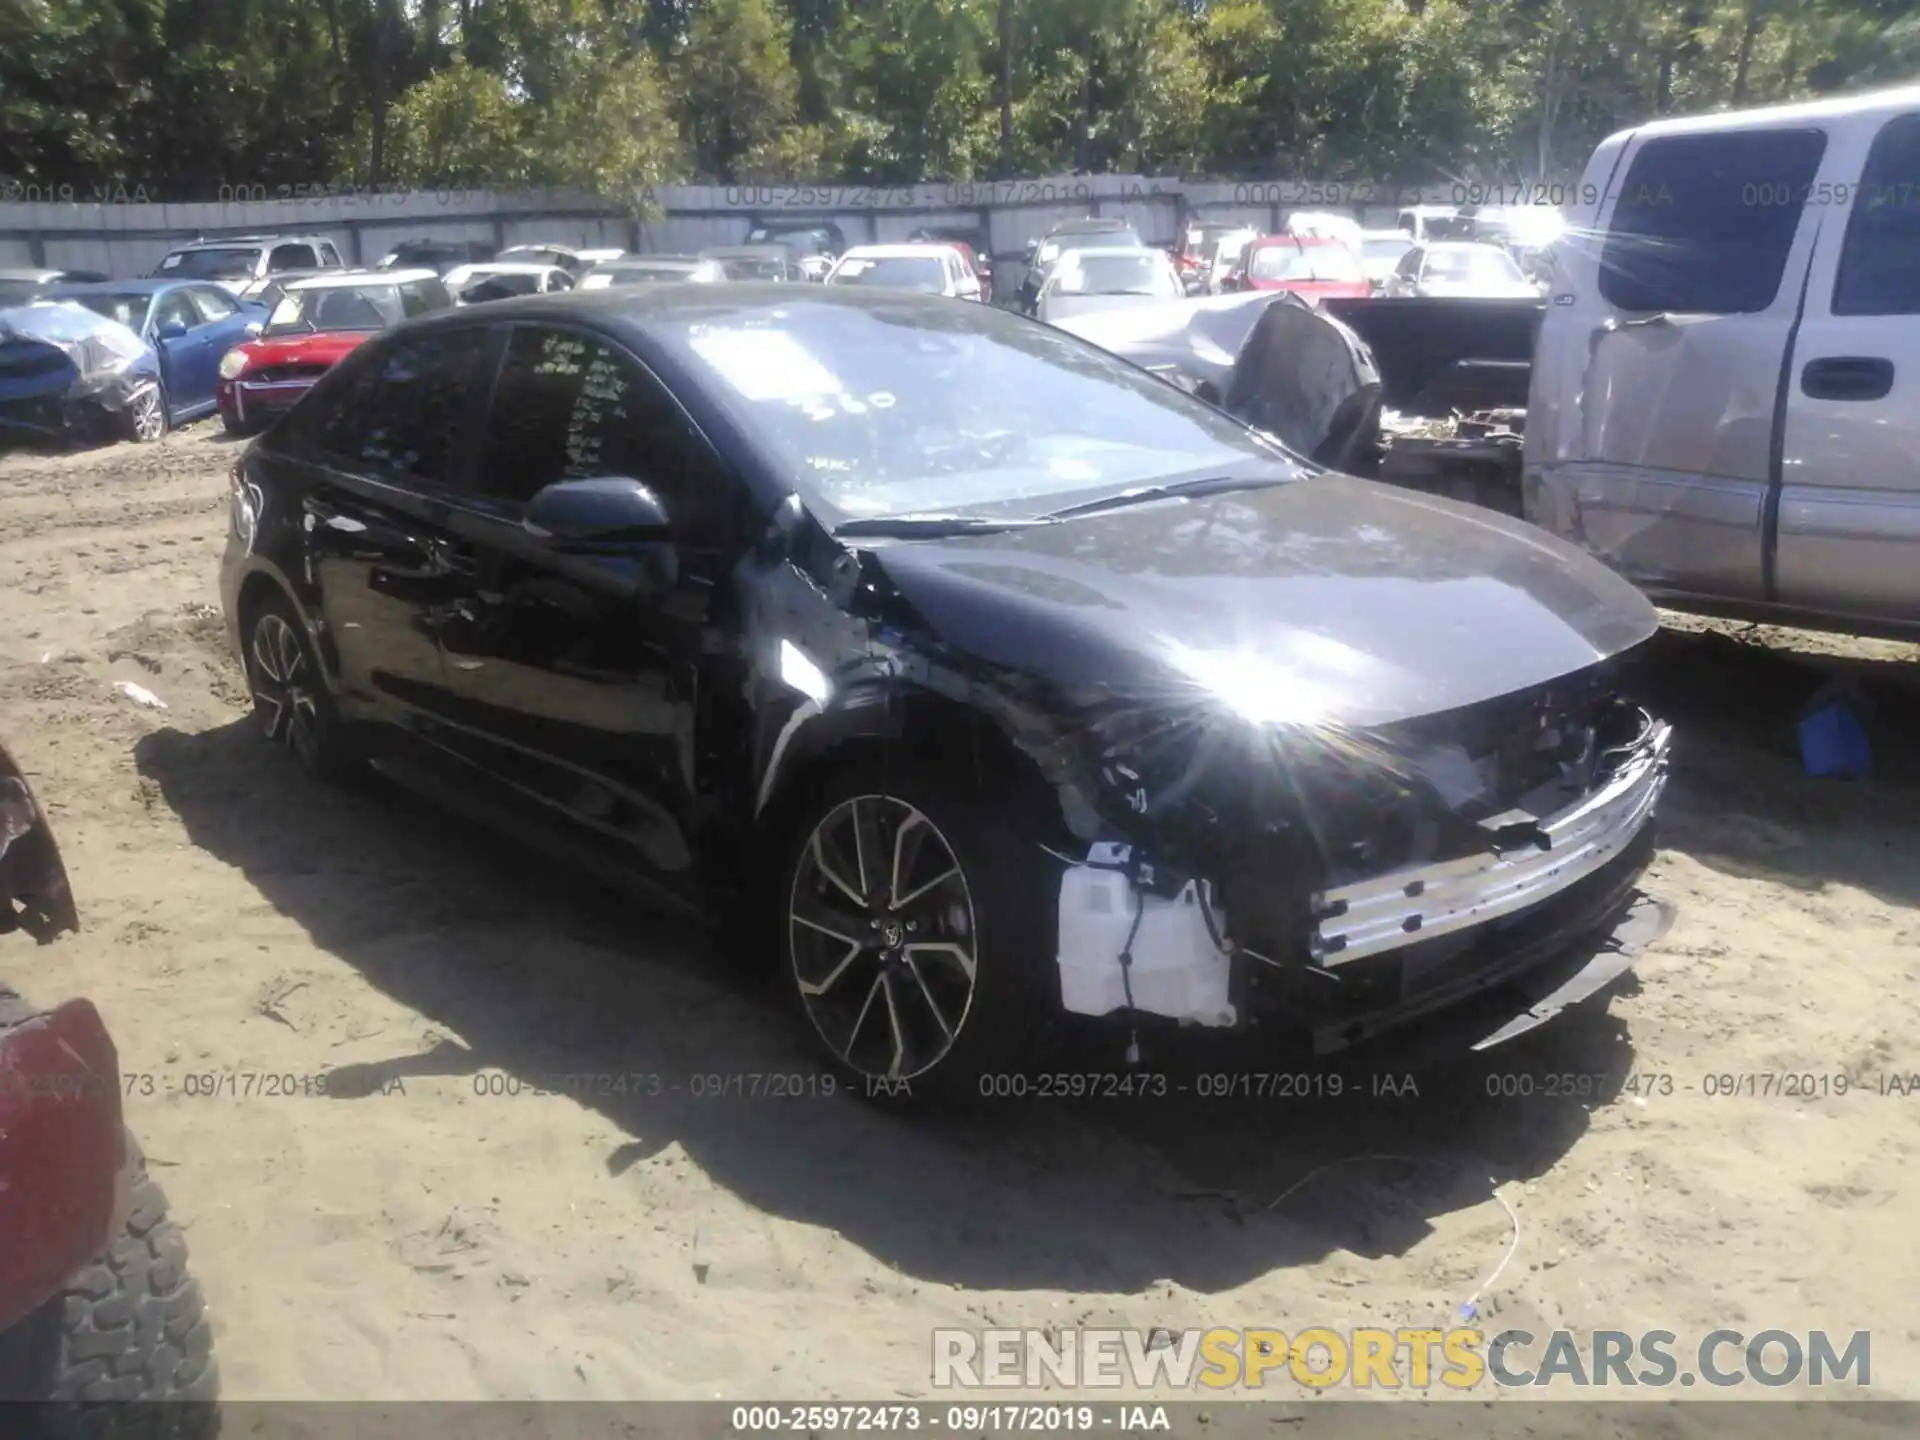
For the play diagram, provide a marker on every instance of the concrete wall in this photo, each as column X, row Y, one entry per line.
column 129, row 239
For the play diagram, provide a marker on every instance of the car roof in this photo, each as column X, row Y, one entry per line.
column 639, row 309
column 798, row 226
column 144, row 285
column 627, row 261
column 234, row 242
column 742, row 252
column 502, row 267
column 28, row 272
column 539, row 245
column 927, row 250
column 1873, row 102
column 1091, row 225
column 347, row 280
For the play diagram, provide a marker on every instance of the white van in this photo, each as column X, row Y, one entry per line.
column 1725, row 395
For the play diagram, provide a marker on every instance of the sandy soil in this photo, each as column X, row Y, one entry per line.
column 426, row 1237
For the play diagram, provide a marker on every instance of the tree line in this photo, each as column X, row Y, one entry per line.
column 180, row 98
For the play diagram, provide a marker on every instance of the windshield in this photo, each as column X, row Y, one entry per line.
column 1387, row 248
column 1475, row 265
column 1142, row 274
column 881, row 409
column 1313, row 262
column 1097, row 240
column 336, row 307
column 746, row 267
column 213, row 263
column 425, row 257
column 894, row 272
column 129, row 310
column 498, row 287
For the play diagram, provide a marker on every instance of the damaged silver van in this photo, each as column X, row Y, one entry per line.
column 1725, row 400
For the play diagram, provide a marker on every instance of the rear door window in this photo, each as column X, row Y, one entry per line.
column 403, row 414
column 293, row 257
column 1880, row 263
column 1703, row 223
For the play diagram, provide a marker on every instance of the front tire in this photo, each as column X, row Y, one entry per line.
column 917, row 929
column 291, row 703
column 125, row 1352
column 146, row 418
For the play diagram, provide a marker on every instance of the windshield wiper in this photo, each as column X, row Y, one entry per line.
column 1211, row 485
column 932, row 526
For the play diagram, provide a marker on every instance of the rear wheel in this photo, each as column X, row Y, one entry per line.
column 291, row 703
column 916, row 934
column 235, row 426
column 126, row 1351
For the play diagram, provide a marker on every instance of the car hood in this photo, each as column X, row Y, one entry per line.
column 1060, row 307
column 326, row 347
column 1326, row 601
column 1478, row 289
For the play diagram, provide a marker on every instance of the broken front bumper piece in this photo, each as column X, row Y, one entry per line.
column 1424, row 902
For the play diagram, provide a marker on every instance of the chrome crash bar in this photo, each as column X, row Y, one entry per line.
column 1421, row 902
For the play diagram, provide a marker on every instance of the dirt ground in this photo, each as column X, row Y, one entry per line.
column 422, row 1233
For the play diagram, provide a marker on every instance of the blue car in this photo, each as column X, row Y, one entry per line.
column 190, row 324
column 67, row 373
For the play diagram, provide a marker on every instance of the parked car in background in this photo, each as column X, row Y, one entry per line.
column 1091, row 233
column 731, row 263
column 67, row 373
column 600, row 255
column 642, row 270
column 17, row 286
column 1725, row 397
column 317, row 322
column 1459, row 269
column 1380, row 252
column 240, row 258
column 1325, row 225
column 97, row 1306
column 1199, row 245
column 503, row 280
column 992, row 675
column 1087, row 280
column 973, row 243
column 929, row 269
column 563, row 257
column 1430, row 223
column 439, row 256
column 190, row 324
column 1305, row 265
column 266, row 291
column 815, row 244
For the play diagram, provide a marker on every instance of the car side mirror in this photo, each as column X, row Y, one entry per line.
column 172, row 330
column 254, row 327
column 604, row 511
column 612, row 532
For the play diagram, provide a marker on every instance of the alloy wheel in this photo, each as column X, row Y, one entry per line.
column 882, row 937
column 149, row 420
column 283, row 694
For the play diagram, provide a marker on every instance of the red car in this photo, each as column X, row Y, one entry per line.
column 1311, row 267
column 96, row 1305
column 315, row 324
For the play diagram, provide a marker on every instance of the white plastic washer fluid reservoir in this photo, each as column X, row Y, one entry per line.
column 1177, row 970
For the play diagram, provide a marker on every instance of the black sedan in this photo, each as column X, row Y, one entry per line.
column 1001, row 677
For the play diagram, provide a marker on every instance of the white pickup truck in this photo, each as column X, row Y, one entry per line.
column 1725, row 396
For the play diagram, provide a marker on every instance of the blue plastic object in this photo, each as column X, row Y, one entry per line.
column 1833, row 744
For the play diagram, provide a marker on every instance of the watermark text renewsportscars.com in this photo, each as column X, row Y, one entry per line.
column 1322, row 1357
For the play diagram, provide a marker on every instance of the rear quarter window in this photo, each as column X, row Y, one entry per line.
column 1703, row 223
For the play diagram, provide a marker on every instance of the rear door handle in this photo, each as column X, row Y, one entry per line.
column 1847, row 377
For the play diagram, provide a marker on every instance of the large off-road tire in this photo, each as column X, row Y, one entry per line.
column 912, row 985
column 291, row 702
column 126, row 1351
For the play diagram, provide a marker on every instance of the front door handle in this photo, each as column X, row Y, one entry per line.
column 1847, row 377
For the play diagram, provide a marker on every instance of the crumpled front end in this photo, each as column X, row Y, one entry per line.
column 1347, row 882
column 66, row 371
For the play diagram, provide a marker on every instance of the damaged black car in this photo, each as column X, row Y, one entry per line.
column 993, row 677
column 69, row 374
